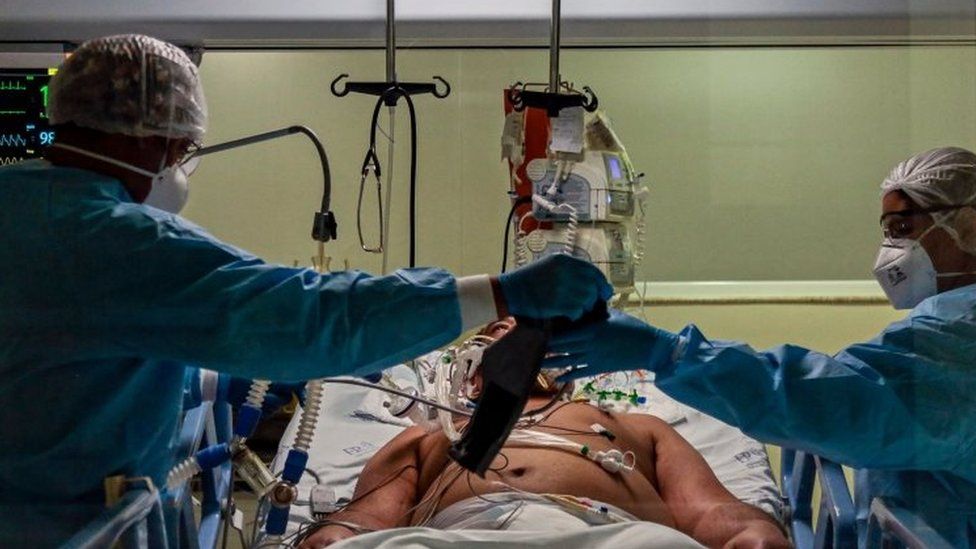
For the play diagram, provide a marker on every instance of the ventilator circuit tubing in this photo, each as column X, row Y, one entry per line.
column 310, row 415
column 297, row 457
column 210, row 457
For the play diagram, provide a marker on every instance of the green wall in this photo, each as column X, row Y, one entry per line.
column 764, row 163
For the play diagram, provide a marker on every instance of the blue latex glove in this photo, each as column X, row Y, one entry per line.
column 234, row 390
column 556, row 285
column 618, row 343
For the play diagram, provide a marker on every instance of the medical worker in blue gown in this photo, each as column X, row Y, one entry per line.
column 901, row 407
column 106, row 294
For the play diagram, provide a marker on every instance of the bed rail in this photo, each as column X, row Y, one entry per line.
column 893, row 527
column 136, row 521
column 836, row 522
column 889, row 526
column 144, row 517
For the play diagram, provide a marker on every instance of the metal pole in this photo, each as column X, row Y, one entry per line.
column 553, row 47
column 390, row 42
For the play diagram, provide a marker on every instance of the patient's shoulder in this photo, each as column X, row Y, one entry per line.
column 647, row 429
column 643, row 422
column 409, row 440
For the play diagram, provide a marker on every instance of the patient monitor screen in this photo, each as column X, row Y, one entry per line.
column 24, row 128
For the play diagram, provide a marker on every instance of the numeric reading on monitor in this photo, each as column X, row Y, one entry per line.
column 24, row 128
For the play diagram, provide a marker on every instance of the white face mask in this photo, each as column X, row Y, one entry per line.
column 170, row 188
column 906, row 273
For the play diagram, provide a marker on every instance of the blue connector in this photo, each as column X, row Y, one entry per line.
column 294, row 466
column 211, row 457
column 247, row 421
column 294, row 469
column 277, row 521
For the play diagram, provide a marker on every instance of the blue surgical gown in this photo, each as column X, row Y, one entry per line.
column 901, row 407
column 103, row 302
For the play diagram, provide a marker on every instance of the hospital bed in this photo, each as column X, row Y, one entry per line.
column 353, row 425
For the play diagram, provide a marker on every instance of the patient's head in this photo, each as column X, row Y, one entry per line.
column 498, row 328
column 545, row 382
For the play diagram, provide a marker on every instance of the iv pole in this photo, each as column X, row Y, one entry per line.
column 554, row 31
column 390, row 92
column 551, row 99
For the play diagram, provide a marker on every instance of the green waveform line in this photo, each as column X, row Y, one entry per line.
column 12, row 86
column 13, row 112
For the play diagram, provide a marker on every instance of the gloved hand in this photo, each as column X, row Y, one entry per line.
column 234, row 390
column 619, row 343
column 556, row 285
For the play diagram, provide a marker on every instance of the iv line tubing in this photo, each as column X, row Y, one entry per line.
column 403, row 394
column 389, row 192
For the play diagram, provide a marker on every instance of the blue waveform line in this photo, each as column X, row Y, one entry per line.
column 12, row 140
column 6, row 160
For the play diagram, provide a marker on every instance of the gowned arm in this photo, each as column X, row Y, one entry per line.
column 875, row 404
column 165, row 290
column 700, row 505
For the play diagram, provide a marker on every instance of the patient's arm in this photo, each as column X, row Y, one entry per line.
column 385, row 493
column 700, row 505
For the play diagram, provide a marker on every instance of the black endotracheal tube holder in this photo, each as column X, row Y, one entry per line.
column 509, row 368
column 324, row 226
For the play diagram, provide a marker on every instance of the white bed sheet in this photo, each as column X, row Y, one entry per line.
column 631, row 535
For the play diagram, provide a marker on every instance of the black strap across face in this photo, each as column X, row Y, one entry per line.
column 509, row 368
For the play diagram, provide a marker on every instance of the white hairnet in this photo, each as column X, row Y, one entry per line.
column 941, row 177
column 130, row 84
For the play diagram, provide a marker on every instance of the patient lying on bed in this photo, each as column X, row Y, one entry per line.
column 412, row 482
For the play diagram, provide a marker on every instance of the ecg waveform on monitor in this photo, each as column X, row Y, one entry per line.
column 5, row 160
column 12, row 85
column 12, row 112
column 12, row 140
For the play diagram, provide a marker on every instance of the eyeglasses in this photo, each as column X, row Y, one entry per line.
column 189, row 160
column 905, row 223
column 189, row 153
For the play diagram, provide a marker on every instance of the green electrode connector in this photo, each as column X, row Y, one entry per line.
column 633, row 397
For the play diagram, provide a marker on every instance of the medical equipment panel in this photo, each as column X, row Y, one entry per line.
column 24, row 127
column 606, row 245
column 598, row 189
